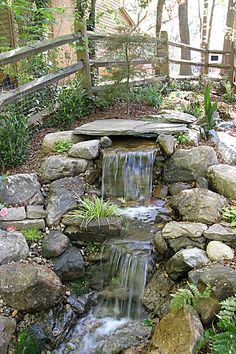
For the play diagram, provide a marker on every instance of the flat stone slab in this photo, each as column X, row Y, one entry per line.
column 170, row 116
column 128, row 127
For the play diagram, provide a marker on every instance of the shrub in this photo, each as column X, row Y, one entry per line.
column 229, row 95
column 147, row 95
column 92, row 209
column 62, row 146
column 210, row 109
column 188, row 297
column 14, row 140
column 229, row 214
column 32, row 235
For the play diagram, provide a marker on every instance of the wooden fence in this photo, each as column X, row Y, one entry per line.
column 84, row 65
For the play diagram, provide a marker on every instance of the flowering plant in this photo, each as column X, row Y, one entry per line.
column 3, row 210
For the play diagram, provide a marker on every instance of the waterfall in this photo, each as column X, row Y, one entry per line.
column 125, row 274
column 128, row 174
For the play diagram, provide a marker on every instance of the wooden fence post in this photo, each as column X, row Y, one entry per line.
column 206, row 60
column 164, row 67
column 83, row 54
column 232, row 63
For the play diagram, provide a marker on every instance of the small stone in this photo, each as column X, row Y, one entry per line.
column 166, row 143
column 160, row 243
column 178, row 187
column 13, row 247
column 201, row 182
column 218, row 251
column 38, row 224
column 105, row 142
column 88, row 150
column 7, row 328
column 36, row 212
column 160, row 191
column 54, row 244
column 14, row 214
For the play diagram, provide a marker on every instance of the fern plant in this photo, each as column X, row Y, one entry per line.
column 188, row 297
column 210, row 109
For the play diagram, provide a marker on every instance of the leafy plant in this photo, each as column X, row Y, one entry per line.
column 188, row 297
column 210, row 109
column 79, row 287
column 229, row 95
column 32, row 235
column 229, row 214
column 14, row 140
column 62, row 146
column 27, row 343
column 147, row 95
column 92, row 209
column 182, row 138
column 147, row 322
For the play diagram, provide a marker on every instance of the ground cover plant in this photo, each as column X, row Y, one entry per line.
column 62, row 146
column 229, row 214
column 32, row 235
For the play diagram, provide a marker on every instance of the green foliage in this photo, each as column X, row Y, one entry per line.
column 182, row 138
column 210, row 109
column 79, row 287
column 228, row 310
column 147, row 95
column 229, row 214
column 194, row 108
column 91, row 248
column 62, row 146
column 229, row 95
column 92, row 209
column 27, row 343
column 147, row 322
column 14, row 140
column 74, row 102
column 32, row 235
column 188, row 297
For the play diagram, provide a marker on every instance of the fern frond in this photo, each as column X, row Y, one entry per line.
column 228, row 310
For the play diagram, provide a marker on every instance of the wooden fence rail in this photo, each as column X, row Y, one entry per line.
column 162, row 45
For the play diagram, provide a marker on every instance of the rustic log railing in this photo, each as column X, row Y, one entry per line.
column 84, row 65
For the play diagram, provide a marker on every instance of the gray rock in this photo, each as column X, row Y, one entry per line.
column 63, row 197
column 56, row 324
column 56, row 167
column 69, row 265
column 36, row 212
column 188, row 165
column 21, row 189
column 13, row 247
column 157, row 293
column 171, row 116
column 218, row 251
column 185, row 260
column 178, row 187
column 85, row 150
column 28, row 287
column 223, row 180
column 54, row 244
column 177, row 333
column 194, row 136
column 7, row 328
column 202, row 182
column 221, row 279
column 166, row 143
column 95, row 231
column 14, row 214
column 132, row 334
column 160, row 243
column 227, row 147
column 111, row 127
column 218, row 232
column 25, row 224
column 51, row 139
column 198, row 205
column 184, row 235
column 105, row 142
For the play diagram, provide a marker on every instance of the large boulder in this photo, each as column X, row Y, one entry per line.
column 184, row 234
column 198, row 205
column 187, row 165
column 29, row 287
column 51, row 139
column 223, row 180
column 157, row 293
column 21, row 189
column 183, row 261
column 218, row 251
column 63, row 196
column 177, row 333
column 88, row 150
column 218, row 232
column 56, row 167
column 69, row 265
column 13, row 247
column 54, row 244
column 7, row 328
column 221, row 279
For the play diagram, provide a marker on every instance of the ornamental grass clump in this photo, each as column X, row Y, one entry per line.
column 92, row 209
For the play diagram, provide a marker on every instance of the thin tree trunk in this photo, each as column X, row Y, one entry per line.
column 204, row 31
column 160, row 7
column 227, row 41
column 185, row 38
column 210, row 23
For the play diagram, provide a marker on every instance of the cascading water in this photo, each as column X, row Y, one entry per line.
column 128, row 174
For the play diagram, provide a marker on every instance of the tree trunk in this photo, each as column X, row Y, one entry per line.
column 185, row 38
column 227, row 40
column 92, row 16
column 160, row 7
column 204, row 33
column 210, row 23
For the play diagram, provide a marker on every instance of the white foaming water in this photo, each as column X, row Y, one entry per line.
column 144, row 214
